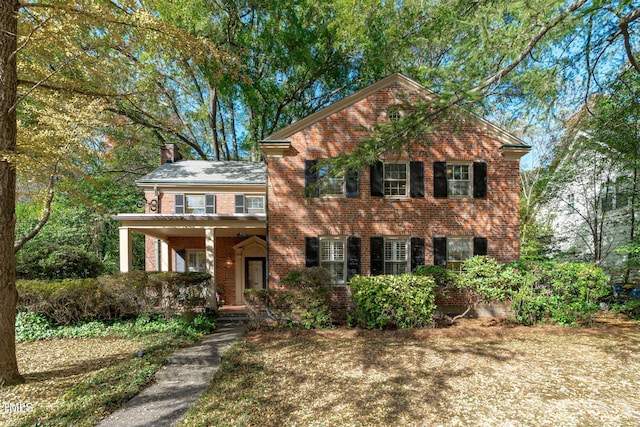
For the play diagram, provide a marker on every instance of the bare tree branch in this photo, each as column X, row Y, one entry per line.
column 46, row 213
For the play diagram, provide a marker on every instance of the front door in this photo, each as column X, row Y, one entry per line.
column 255, row 273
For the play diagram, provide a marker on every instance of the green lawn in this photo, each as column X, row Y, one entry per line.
column 465, row 375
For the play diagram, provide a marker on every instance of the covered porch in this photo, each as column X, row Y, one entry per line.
column 231, row 248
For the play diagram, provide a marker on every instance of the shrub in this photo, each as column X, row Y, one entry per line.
column 304, row 301
column 564, row 293
column 402, row 301
column 58, row 262
column 119, row 296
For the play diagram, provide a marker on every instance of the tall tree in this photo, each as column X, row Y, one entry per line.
column 8, row 136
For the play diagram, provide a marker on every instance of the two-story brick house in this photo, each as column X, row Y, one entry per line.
column 438, row 203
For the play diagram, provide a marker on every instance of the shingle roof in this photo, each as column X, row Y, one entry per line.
column 204, row 172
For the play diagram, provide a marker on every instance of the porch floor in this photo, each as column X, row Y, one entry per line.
column 232, row 309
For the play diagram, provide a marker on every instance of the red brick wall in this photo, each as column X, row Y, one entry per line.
column 292, row 217
column 225, row 260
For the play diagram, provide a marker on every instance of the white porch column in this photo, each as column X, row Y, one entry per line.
column 210, row 255
column 165, row 261
column 126, row 251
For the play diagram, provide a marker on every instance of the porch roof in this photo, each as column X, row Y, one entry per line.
column 163, row 226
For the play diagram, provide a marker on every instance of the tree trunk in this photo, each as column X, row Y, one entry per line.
column 8, row 130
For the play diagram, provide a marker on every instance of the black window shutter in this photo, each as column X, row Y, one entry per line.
column 377, row 256
column 416, row 179
column 479, row 246
column 210, row 203
column 179, row 204
column 377, row 179
column 311, row 178
column 312, row 251
column 440, row 179
column 181, row 261
column 353, row 184
column 239, row 203
column 353, row 257
column 440, row 251
column 480, row 180
column 417, row 252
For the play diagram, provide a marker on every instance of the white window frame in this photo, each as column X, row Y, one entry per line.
column 194, row 209
column 395, row 261
column 200, row 258
column 455, row 264
column 334, row 258
column 388, row 192
column 248, row 209
column 329, row 186
column 452, row 180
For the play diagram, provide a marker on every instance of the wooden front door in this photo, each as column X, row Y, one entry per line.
column 255, row 273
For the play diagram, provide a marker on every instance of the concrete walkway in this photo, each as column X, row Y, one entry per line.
column 187, row 374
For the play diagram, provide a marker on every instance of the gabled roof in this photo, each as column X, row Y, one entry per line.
column 203, row 172
column 400, row 79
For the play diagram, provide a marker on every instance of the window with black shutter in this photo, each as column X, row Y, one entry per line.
column 417, row 252
column 210, row 203
column 353, row 257
column 312, row 253
column 239, row 203
column 416, row 179
column 377, row 255
column 179, row 203
column 440, row 251
column 440, row 179
column 480, row 180
column 377, row 179
column 479, row 246
column 311, row 178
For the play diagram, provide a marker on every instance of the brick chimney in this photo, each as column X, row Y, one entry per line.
column 169, row 154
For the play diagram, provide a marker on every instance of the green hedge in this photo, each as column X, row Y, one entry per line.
column 402, row 301
column 563, row 293
column 119, row 296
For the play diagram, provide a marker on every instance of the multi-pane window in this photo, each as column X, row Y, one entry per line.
column 458, row 179
column 571, row 203
column 458, row 251
column 394, row 114
column 614, row 195
column 194, row 204
column 254, row 204
column 396, row 256
column 329, row 185
column 395, row 179
column 196, row 261
column 333, row 257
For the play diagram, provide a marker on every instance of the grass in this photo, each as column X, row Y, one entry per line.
column 472, row 374
column 95, row 368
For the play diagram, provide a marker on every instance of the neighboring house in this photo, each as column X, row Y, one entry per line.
column 438, row 203
column 587, row 206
